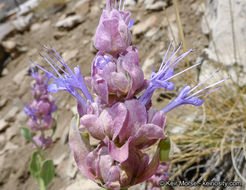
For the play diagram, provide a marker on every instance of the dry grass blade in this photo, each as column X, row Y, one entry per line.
column 235, row 167
column 170, row 27
column 180, row 28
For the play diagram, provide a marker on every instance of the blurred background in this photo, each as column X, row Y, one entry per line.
column 208, row 142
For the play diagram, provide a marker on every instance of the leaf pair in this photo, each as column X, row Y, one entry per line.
column 42, row 171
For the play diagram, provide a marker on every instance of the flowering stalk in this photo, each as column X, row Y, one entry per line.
column 40, row 111
column 124, row 122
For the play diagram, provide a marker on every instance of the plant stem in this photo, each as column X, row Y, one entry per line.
column 40, row 151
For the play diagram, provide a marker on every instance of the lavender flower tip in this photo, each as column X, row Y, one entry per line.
column 184, row 97
column 164, row 74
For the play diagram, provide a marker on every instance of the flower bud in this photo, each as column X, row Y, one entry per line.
column 113, row 34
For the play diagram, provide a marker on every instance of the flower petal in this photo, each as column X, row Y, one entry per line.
column 100, row 87
column 119, row 82
column 119, row 113
column 135, row 118
column 80, row 147
column 147, row 133
column 93, row 125
column 151, row 168
column 159, row 119
column 119, row 154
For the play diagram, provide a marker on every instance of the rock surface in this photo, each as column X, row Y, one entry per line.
column 159, row 5
column 218, row 21
column 22, row 23
column 3, row 125
column 143, row 26
column 82, row 7
column 69, row 22
column 9, row 45
column 5, row 30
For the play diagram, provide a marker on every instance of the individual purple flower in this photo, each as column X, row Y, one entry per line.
column 99, row 166
column 116, row 79
column 72, row 82
column 164, row 74
column 113, row 34
column 160, row 176
column 185, row 96
column 43, row 142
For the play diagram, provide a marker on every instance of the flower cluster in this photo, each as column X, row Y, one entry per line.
column 122, row 120
column 40, row 109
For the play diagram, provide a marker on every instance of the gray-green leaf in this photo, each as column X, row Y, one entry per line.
column 47, row 171
column 26, row 133
column 35, row 164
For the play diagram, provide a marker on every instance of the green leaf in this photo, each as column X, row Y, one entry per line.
column 35, row 165
column 26, row 133
column 165, row 146
column 47, row 171
column 41, row 184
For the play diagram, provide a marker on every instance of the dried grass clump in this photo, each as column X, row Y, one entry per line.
column 214, row 148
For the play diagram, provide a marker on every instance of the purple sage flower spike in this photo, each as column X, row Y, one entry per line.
column 41, row 108
column 70, row 82
column 113, row 34
column 164, row 74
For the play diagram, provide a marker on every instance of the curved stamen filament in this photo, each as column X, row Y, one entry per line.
column 203, row 81
column 49, row 73
column 210, row 86
column 183, row 71
column 209, row 91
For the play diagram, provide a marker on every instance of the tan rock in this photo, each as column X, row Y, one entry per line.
column 143, row 26
column 68, row 55
column 9, row 46
column 19, row 77
column 11, row 115
column 82, row 7
column 3, row 125
column 69, row 22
